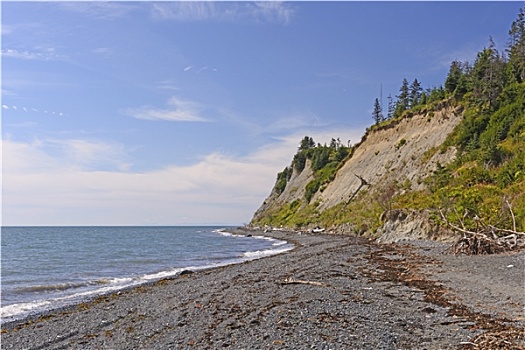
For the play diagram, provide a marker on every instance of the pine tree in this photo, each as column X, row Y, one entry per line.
column 377, row 114
column 391, row 107
column 516, row 49
column 403, row 97
column 453, row 78
column 488, row 76
column 415, row 93
column 306, row 143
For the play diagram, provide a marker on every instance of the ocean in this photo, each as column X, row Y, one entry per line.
column 44, row 268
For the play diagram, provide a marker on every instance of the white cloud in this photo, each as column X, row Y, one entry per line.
column 43, row 186
column 41, row 54
column 272, row 10
column 103, row 51
column 186, row 10
column 44, row 189
column 178, row 111
column 87, row 155
column 268, row 11
column 100, row 9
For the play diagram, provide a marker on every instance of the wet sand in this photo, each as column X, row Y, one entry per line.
column 330, row 292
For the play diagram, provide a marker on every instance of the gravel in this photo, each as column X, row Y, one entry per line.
column 330, row 292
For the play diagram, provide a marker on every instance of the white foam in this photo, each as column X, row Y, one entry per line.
column 16, row 309
column 264, row 253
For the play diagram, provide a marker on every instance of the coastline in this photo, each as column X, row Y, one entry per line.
column 330, row 291
column 85, row 279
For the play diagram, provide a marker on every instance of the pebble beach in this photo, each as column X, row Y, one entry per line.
column 330, row 292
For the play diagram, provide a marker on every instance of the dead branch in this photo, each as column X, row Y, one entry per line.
column 485, row 239
column 363, row 183
column 511, row 213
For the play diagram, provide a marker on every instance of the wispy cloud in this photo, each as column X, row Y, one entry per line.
column 272, row 11
column 45, row 187
column 100, row 9
column 178, row 111
column 167, row 85
column 43, row 54
column 103, row 51
column 90, row 155
column 40, row 187
column 201, row 69
column 267, row 11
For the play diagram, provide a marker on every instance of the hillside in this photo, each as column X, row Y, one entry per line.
column 403, row 151
column 448, row 159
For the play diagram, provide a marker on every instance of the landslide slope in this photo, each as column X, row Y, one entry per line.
column 401, row 151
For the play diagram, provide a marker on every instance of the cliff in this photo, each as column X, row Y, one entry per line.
column 401, row 152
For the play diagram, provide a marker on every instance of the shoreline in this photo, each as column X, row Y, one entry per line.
column 330, row 291
column 62, row 304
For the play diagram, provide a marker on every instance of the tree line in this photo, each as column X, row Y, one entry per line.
column 477, row 84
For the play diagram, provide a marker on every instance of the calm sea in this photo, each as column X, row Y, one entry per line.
column 49, row 267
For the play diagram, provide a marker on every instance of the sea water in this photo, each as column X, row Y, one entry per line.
column 44, row 268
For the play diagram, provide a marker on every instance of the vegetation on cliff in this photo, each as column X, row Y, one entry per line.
column 484, row 185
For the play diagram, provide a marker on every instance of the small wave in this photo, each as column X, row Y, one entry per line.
column 21, row 308
column 224, row 233
column 264, row 253
column 61, row 286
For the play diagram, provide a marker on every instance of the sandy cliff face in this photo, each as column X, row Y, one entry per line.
column 394, row 154
column 398, row 153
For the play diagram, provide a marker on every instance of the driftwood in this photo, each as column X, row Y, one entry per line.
column 486, row 239
column 294, row 281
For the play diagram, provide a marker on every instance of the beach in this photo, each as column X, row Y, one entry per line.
column 330, row 292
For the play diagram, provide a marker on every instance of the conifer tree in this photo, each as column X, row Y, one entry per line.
column 415, row 93
column 306, row 143
column 516, row 49
column 391, row 107
column 487, row 76
column 453, row 78
column 402, row 98
column 377, row 114
column 402, row 103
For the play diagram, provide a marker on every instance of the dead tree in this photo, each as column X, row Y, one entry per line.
column 486, row 239
column 361, row 185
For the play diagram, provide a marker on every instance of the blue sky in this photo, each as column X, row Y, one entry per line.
column 182, row 113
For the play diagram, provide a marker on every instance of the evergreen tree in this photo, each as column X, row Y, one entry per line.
column 415, row 93
column 306, row 143
column 402, row 98
column 516, row 49
column 402, row 103
column 391, row 107
column 488, row 76
column 377, row 114
column 453, row 78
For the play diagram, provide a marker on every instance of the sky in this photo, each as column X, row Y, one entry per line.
column 183, row 113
